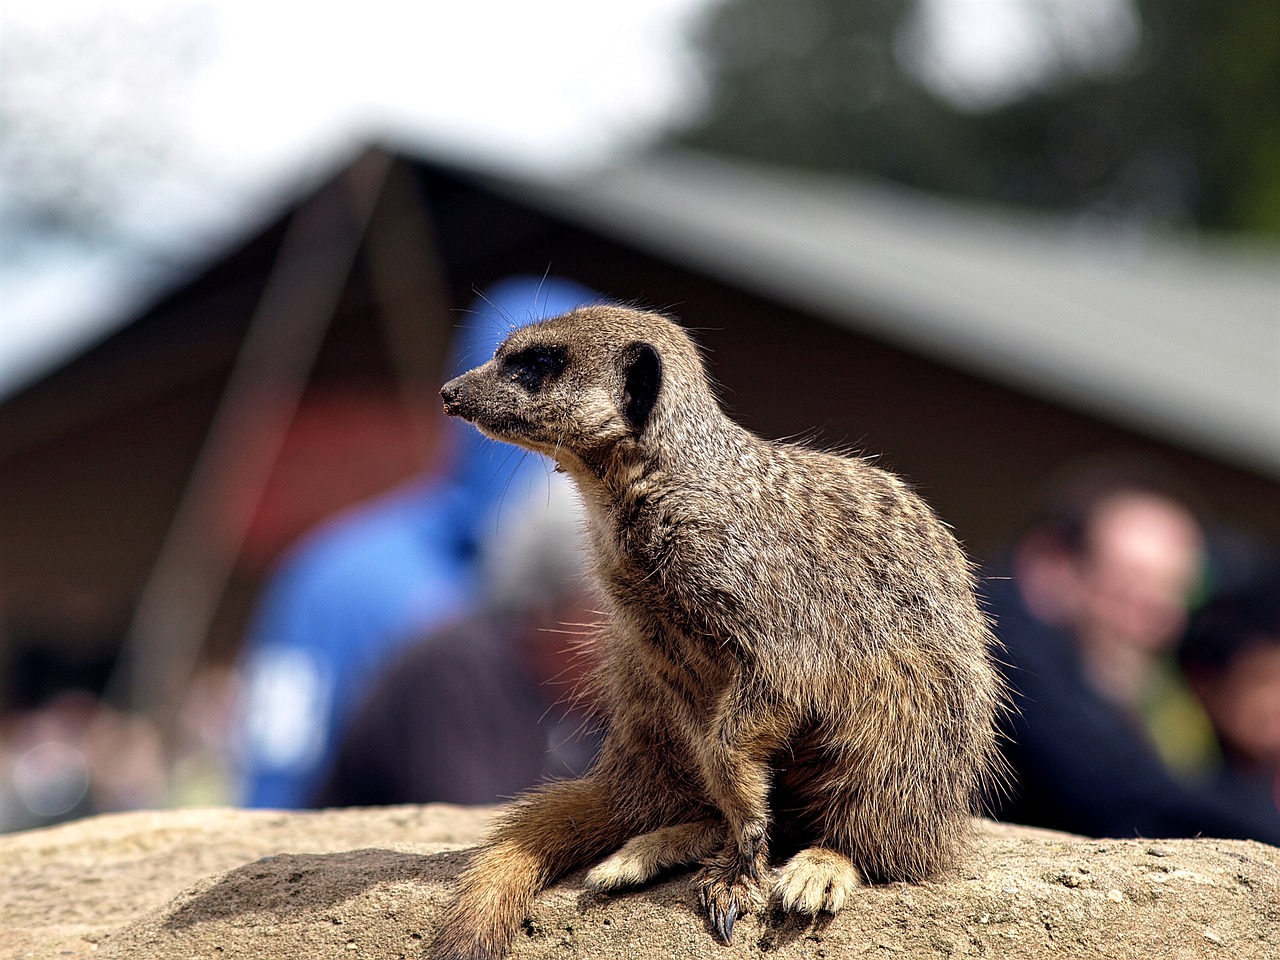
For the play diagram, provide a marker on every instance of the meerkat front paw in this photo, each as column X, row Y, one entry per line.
column 816, row 880
column 644, row 857
column 730, row 889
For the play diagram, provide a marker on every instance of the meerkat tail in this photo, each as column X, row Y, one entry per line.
column 548, row 833
column 644, row 857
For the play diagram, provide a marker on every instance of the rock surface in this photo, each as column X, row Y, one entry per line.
column 370, row 884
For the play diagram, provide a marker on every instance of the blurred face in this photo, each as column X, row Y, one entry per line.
column 1244, row 702
column 1141, row 560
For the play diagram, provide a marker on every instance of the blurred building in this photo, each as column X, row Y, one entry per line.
column 148, row 482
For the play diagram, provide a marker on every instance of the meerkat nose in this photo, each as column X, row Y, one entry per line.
column 451, row 394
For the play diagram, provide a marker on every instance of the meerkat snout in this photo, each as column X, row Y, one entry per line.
column 451, row 394
column 461, row 395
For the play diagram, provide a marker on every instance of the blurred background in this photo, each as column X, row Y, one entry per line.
column 992, row 243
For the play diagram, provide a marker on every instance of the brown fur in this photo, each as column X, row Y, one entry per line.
column 794, row 660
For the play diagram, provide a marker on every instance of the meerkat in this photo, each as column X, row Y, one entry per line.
column 795, row 667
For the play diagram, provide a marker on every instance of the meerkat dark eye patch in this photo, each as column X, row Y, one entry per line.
column 534, row 367
column 642, row 370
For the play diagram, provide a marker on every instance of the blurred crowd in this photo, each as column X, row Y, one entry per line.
column 429, row 646
column 1142, row 655
column 74, row 754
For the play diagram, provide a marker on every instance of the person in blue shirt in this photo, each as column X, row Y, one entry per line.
column 356, row 590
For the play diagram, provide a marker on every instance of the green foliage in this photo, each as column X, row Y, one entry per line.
column 1186, row 130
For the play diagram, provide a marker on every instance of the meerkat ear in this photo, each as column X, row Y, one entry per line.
column 642, row 371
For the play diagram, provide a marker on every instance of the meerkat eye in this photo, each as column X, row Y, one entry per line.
column 535, row 367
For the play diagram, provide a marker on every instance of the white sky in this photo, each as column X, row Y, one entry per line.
column 983, row 52
column 281, row 76
column 281, row 89
column 260, row 94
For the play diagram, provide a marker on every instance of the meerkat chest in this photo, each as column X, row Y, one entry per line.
column 661, row 672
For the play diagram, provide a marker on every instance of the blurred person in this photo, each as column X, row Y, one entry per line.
column 201, row 768
column 48, row 774
column 1098, row 597
column 1231, row 657
column 76, row 756
column 65, row 752
column 483, row 709
column 354, row 592
column 128, row 766
column 10, row 806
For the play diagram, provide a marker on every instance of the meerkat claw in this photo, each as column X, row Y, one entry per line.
column 726, row 897
column 816, row 881
column 722, row 921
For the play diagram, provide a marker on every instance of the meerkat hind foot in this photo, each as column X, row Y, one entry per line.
column 642, row 858
column 816, row 880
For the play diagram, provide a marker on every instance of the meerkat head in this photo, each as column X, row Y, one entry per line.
column 574, row 387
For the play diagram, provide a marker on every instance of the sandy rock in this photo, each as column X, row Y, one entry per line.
column 63, row 889
column 371, row 883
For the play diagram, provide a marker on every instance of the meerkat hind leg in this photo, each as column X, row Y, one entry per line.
column 816, row 880
column 642, row 858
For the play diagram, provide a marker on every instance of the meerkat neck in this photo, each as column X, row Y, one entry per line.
column 688, row 443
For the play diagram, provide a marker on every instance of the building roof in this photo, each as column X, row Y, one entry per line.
column 1176, row 337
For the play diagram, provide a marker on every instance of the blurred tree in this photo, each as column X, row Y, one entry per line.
column 91, row 107
column 1181, row 125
